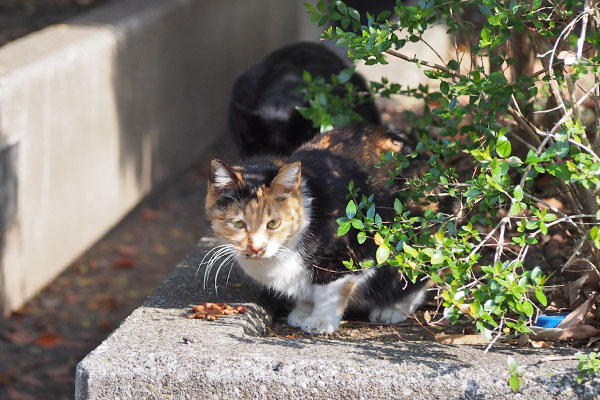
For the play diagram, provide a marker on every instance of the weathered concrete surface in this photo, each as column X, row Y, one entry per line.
column 147, row 357
column 97, row 111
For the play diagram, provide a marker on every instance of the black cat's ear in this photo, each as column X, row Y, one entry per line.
column 288, row 177
column 222, row 175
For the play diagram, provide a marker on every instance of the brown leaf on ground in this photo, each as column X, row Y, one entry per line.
column 539, row 344
column 574, row 289
column 460, row 339
column 579, row 332
column 578, row 315
column 593, row 340
column 124, row 263
column 49, row 339
column 573, row 333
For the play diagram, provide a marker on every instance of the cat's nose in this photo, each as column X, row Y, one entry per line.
column 256, row 250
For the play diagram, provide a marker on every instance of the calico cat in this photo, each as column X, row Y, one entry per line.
column 262, row 115
column 277, row 218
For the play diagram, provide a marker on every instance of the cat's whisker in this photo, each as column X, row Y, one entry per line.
column 230, row 268
column 216, row 256
column 211, row 251
column 224, row 262
column 213, row 260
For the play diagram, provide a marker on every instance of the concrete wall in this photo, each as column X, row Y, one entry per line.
column 95, row 112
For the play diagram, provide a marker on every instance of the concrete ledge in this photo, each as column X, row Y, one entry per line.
column 147, row 357
column 95, row 112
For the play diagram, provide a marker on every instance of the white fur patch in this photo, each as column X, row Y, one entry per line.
column 300, row 313
column 221, row 176
column 288, row 176
column 397, row 312
column 287, row 276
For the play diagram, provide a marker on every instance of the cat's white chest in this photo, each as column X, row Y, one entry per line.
column 286, row 275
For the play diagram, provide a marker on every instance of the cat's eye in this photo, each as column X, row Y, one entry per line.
column 274, row 224
column 238, row 224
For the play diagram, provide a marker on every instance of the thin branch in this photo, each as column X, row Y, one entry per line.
column 425, row 63
column 523, row 123
column 581, row 40
column 554, row 209
column 574, row 255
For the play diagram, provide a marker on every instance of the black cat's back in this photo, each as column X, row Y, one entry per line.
column 329, row 162
column 263, row 118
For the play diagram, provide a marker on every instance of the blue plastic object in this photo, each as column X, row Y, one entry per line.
column 550, row 320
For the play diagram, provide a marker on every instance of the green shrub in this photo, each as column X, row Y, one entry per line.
column 482, row 111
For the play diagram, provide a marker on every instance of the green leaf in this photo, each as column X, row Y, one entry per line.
column 527, row 308
column 371, row 211
column 515, row 209
column 503, row 148
column 353, row 13
column 341, row 7
column 514, row 383
column 351, row 209
column 498, row 78
column 397, row 206
column 541, row 297
column 343, row 228
column 357, row 223
column 306, row 76
column 437, row 258
column 361, row 237
column 532, row 158
column 518, row 193
column 382, row 254
column 345, row 75
column 485, row 10
column 453, row 64
column 410, row 250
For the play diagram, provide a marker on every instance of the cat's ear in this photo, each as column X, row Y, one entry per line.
column 288, row 177
column 222, row 175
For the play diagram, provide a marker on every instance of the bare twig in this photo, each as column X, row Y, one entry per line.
column 425, row 63
column 575, row 252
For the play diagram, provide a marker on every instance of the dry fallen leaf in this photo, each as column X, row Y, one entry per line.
column 124, row 263
column 49, row 339
column 460, row 339
column 578, row 315
column 539, row 344
column 593, row 340
column 575, row 333
column 427, row 317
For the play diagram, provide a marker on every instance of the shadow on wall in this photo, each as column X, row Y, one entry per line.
column 170, row 112
column 8, row 203
column 115, row 102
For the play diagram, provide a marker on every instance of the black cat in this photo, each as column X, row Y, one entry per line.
column 262, row 115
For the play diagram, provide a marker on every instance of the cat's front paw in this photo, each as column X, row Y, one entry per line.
column 318, row 324
column 298, row 315
column 388, row 315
